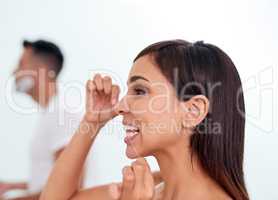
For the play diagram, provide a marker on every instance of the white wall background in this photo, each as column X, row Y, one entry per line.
column 108, row 34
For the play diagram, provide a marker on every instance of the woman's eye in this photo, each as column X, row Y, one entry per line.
column 138, row 91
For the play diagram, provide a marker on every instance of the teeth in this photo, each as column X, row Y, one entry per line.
column 131, row 128
column 131, row 134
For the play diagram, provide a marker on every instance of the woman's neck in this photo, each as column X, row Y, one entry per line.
column 184, row 177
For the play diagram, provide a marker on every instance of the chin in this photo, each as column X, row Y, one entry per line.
column 132, row 156
column 134, row 153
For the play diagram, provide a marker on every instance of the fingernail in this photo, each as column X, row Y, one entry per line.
column 113, row 101
column 129, row 173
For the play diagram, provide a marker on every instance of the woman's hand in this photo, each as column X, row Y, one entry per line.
column 138, row 182
column 101, row 98
column 64, row 180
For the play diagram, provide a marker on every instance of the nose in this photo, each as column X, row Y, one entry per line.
column 122, row 106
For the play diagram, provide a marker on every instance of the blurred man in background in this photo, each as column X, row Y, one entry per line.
column 36, row 75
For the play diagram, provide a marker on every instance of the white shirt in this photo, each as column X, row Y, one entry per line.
column 54, row 131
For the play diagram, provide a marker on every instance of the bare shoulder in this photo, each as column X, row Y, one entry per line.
column 103, row 192
column 108, row 192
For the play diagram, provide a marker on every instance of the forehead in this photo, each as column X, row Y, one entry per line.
column 26, row 54
column 146, row 67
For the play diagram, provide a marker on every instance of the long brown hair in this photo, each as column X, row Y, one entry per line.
column 220, row 151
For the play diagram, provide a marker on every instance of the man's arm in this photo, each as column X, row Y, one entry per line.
column 29, row 197
column 8, row 186
column 36, row 196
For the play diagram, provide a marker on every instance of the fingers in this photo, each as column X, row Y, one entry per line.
column 104, row 84
column 149, row 183
column 107, row 85
column 115, row 91
column 147, row 177
column 101, row 97
column 128, row 181
column 141, row 186
column 91, row 86
column 91, row 89
column 143, row 161
column 98, row 81
column 139, row 172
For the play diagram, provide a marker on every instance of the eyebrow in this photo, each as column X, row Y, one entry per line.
column 135, row 78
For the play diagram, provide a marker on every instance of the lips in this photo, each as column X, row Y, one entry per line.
column 131, row 133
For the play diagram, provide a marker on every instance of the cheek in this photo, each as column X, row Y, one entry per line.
column 159, row 124
column 161, row 117
column 153, row 142
column 159, row 132
column 162, row 104
column 149, row 109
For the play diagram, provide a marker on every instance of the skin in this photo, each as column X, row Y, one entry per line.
column 169, row 144
column 44, row 89
column 44, row 80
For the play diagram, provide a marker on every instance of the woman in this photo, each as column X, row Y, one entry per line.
column 185, row 107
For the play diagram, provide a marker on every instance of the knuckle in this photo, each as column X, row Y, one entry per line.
column 128, row 175
column 97, row 76
column 139, row 168
column 89, row 85
column 129, row 179
column 107, row 78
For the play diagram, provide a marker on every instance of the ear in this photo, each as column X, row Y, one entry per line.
column 194, row 111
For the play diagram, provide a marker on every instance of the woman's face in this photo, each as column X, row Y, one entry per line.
column 151, row 111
